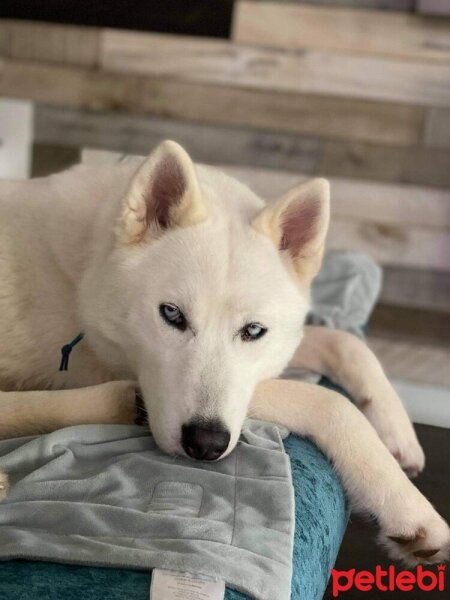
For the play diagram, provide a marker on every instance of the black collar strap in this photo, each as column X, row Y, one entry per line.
column 66, row 350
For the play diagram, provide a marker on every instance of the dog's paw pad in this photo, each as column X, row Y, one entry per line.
column 4, row 485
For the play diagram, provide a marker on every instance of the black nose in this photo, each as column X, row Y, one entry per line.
column 207, row 441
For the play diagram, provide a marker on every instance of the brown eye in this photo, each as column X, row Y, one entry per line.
column 173, row 316
column 252, row 332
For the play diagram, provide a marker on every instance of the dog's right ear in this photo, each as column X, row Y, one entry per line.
column 163, row 194
column 297, row 224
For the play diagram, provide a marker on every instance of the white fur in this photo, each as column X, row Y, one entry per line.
column 78, row 254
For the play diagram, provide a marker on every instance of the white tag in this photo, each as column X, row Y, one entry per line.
column 173, row 585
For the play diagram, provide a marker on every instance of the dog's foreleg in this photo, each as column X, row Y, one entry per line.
column 410, row 527
column 36, row 412
column 349, row 362
column 33, row 413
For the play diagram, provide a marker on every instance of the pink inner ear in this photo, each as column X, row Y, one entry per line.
column 299, row 225
column 169, row 185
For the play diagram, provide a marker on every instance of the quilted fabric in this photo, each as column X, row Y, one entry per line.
column 321, row 517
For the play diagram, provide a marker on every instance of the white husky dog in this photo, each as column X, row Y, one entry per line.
column 185, row 282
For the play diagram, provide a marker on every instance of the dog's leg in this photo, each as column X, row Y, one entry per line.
column 33, row 413
column 348, row 361
column 410, row 527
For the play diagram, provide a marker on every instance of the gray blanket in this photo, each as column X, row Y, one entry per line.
column 107, row 496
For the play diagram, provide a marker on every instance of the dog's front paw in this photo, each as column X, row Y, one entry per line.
column 397, row 433
column 417, row 535
column 4, row 485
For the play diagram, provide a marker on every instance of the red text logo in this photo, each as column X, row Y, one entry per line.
column 388, row 580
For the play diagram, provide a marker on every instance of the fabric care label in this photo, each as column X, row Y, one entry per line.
column 173, row 585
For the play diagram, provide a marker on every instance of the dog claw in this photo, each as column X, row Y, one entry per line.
column 408, row 539
column 426, row 553
column 401, row 540
column 430, row 543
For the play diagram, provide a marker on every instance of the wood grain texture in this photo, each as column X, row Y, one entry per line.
column 417, row 288
column 50, row 42
column 313, row 72
column 396, row 225
column 387, row 206
column 137, row 134
column 297, row 26
column 385, row 123
column 4, row 38
column 413, row 165
column 396, row 246
column 421, row 362
column 437, row 128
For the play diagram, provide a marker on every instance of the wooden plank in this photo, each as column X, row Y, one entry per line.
column 434, row 7
column 4, row 38
column 417, row 288
column 51, row 42
column 137, row 134
column 397, row 246
column 421, row 362
column 437, row 128
column 339, row 118
column 298, row 26
column 396, row 225
column 413, row 165
column 307, row 72
column 388, row 206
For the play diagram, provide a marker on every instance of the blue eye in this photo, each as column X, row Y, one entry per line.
column 173, row 316
column 252, row 332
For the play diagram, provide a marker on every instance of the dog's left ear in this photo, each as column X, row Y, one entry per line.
column 297, row 223
column 163, row 194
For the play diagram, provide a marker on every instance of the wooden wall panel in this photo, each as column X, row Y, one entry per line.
column 385, row 205
column 4, row 38
column 298, row 26
column 409, row 165
column 340, row 118
column 49, row 42
column 137, row 134
column 437, row 128
column 417, row 288
column 397, row 225
column 307, row 72
column 397, row 246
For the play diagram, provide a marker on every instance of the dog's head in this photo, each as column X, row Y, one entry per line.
column 218, row 292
